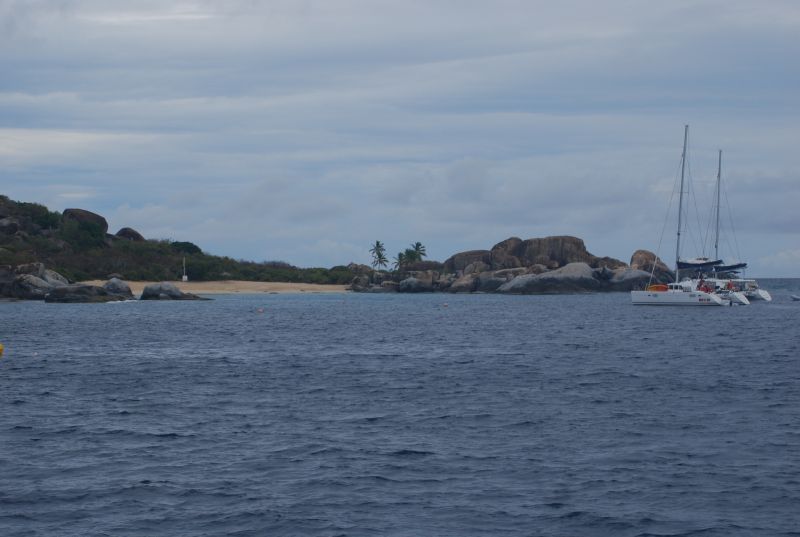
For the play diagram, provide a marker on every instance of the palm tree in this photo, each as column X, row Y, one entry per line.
column 411, row 255
column 378, row 252
column 400, row 260
column 419, row 250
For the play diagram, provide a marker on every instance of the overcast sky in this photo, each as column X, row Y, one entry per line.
column 303, row 131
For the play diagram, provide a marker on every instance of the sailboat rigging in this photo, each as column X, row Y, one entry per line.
column 689, row 292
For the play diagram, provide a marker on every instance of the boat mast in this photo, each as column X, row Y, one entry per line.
column 719, row 176
column 680, row 207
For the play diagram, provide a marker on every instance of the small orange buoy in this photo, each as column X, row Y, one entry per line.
column 1, row 349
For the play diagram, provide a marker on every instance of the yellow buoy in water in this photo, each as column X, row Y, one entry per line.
column 1, row 349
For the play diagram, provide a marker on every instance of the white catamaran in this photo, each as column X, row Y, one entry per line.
column 690, row 292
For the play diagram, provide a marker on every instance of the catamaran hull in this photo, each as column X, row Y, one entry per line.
column 678, row 298
column 738, row 298
column 759, row 294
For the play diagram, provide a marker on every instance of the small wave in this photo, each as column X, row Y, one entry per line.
column 380, row 478
column 126, row 432
column 411, row 453
column 523, row 423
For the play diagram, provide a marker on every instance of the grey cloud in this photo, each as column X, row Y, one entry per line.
column 304, row 130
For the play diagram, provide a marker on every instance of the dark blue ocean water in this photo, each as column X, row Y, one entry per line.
column 394, row 415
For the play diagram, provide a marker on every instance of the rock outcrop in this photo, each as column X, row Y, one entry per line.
column 628, row 279
column 572, row 278
column 360, row 283
column 503, row 254
column 553, row 252
column 467, row 283
column 78, row 293
column 167, row 291
column 414, row 285
column 550, row 252
column 118, row 287
column 130, row 234
column 84, row 216
column 648, row 262
column 458, row 262
column 557, row 264
column 31, row 281
column 577, row 278
column 28, row 287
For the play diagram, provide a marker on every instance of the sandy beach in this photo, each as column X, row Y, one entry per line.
column 235, row 286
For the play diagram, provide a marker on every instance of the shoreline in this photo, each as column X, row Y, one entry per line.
column 220, row 287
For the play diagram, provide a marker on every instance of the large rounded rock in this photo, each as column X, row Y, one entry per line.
column 476, row 268
column 465, row 284
column 80, row 293
column 84, row 216
column 553, row 252
column 54, row 278
column 30, row 281
column 504, row 254
column 414, row 285
column 360, row 283
column 118, row 287
column 166, row 291
column 427, row 277
column 628, row 279
column 130, row 234
column 572, row 278
column 458, row 262
column 488, row 282
column 648, row 262
column 29, row 287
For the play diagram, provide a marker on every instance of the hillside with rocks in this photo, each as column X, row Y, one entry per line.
column 78, row 245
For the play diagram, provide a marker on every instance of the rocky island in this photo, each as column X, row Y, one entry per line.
column 549, row 265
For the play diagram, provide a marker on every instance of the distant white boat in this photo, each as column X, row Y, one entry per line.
column 794, row 297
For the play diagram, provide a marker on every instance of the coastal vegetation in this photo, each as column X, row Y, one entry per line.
column 409, row 256
column 77, row 245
